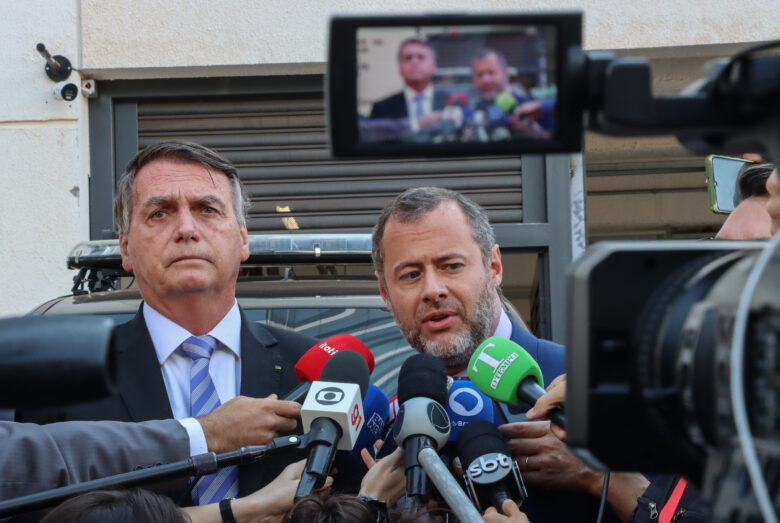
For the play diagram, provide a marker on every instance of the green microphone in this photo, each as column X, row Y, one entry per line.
column 503, row 370
column 506, row 102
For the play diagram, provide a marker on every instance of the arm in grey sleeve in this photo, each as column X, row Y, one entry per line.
column 34, row 458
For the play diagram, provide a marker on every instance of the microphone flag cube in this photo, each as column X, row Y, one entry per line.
column 340, row 402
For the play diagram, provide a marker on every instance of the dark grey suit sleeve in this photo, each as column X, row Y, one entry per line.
column 34, row 458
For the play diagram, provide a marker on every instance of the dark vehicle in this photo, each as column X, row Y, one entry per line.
column 318, row 285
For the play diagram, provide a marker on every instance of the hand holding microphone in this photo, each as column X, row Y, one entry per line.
column 554, row 397
column 490, row 473
column 504, row 371
column 332, row 416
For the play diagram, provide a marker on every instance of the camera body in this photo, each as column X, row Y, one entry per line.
column 65, row 91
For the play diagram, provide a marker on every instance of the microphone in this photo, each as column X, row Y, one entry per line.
column 503, row 370
column 350, row 464
column 506, row 102
column 332, row 414
column 309, row 367
column 490, row 473
column 422, row 421
column 466, row 404
column 376, row 409
column 56, row 360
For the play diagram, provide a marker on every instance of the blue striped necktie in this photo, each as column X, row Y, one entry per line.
column 203, row 399
column 419, row 110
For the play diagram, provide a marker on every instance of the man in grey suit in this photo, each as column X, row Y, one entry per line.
column 35, row 458
column 181, row 213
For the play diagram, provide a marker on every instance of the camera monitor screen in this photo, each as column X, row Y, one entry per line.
column 439, row 85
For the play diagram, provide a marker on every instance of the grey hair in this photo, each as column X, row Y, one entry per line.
column 184, row 152
column 411, row 205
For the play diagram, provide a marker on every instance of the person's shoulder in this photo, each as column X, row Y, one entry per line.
column 550, row 356
column 389, row 107
column 282, row 338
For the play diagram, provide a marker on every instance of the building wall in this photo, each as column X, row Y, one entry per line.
column 44, row 156
column 45, row 146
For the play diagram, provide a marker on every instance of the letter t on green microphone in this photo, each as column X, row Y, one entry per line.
column 504, row 371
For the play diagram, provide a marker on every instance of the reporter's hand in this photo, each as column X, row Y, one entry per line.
column 386, row 478
column 555, row 396
column 271, row 503
column 544, row 459
column 512, row 511
column 246, row 421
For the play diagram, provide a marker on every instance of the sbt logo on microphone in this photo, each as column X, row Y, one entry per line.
column 338, row 401
column 489, row 468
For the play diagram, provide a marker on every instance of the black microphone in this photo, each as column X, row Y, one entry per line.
column 490, row 473
column 422, row 420
column 333, row 415
column 56, row 360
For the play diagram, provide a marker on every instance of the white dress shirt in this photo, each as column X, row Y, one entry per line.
column 224, row 367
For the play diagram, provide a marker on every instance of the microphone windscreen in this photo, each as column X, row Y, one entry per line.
column 422, row 375
column 479, row 438
column 375, row 409
column 310, row 365
column 499, row 365
column 461, row 99
column 347, row 367
column 466, row 404
column 506, row 102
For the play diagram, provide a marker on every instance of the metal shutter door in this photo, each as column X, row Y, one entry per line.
column 279, row 145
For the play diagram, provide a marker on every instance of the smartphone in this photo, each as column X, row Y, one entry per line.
column 722, row 173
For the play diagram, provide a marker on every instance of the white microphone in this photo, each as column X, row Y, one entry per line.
column 332, row 416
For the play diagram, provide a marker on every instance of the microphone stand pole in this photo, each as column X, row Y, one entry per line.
column 449, row 489
column 199, row 465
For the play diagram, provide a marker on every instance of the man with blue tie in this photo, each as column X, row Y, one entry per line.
column 419, row 101
column 180, row 209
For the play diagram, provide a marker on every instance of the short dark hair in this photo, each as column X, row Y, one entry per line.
column 118, row 506
column 751, row 180
column 334, row 508
column 180, row 151
column 416, row 40
column 482, row 53
column 412, row 204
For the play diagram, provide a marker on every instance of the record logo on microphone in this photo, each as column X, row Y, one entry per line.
column 438, row 417
column 329, row 396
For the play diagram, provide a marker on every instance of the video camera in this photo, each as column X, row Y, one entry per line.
column 673, row 360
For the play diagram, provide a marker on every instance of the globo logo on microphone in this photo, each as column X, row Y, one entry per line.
column 490, row 468
column 329, row 396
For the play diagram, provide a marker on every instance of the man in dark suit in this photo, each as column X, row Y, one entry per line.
column 190, row 351
column 439, row 271
column 419, row 101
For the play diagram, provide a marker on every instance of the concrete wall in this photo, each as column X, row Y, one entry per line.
column 44, row 158
column 45, row 147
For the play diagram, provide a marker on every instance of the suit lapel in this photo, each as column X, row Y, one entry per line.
column 260, row 373
column 260, row 376
column 140, row 383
